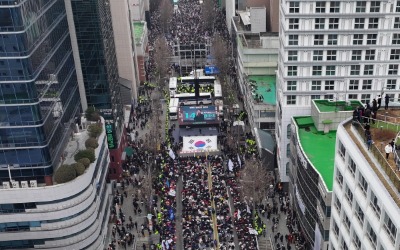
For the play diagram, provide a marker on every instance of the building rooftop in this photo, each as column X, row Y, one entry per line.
column 331, row 106
column 138, row 29
column 312, row 143
column 263, row 89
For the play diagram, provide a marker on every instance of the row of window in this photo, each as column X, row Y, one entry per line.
column 321, row 7
column 364, row 98
column 332, row 39
column 334, row 7
column 355, row 70
column 354, row 84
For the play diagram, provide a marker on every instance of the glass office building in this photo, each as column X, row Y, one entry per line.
column 38, row 88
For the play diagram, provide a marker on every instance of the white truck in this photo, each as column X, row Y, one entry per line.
column 173, row 109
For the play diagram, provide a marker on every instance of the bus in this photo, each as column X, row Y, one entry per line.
column 217, row 90
column 173, row 108
column 173, row 84
column 187, row 99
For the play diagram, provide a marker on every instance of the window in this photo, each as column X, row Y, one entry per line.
column 339, row 179
column 391, row 84
column 390, row 228
column 318, row 55
column 316, row 85
column 373, row 23
column 355, row 70
column 398, row 6
column 371, row 38
column 332, row 39
column 352, row 167
column 359, row 23
column 367, row 84
column 335, row 228
column 320, row 7
column 330, row 70
column 293, row 39
column 353, row 97
column 291, row 100
column 318, row 39
column 331, row 55
column 370, row 54
column 328, row 97
column 368, row 69
column 317, row 70
column 329, row 85
column 292, row 55
column 365, row 98
column 393, row 68
column 288, row 150
column 315, row 97
column 288, row 131
column 294, row 7
column 371, row 234
column 344, row 245
column 342, row 150
column 396, row 22
column 375, row 6
column 293, row 23
column 356, row 55
column 361, row 6
column 335, row 7
column 349, row 195
column 292, row 70
column 291, row 85
column 360, row 214
column 395, row 54
column 356, row 241
column 375, row 205
column 333, row 23
column 358, row 39
column 396, row 38
column 346, row 221
column 319, row 23
column 362, row 183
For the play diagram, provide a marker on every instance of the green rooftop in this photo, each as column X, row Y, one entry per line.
column 328, row 106
column 264, row 86
column 319, row 148
column 138, row 28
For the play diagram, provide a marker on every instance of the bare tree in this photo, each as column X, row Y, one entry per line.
column 254, row 181
column 166, row 10
column 208, row 14
column 162, row 53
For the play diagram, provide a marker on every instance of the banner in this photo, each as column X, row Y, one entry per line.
column 171, row 154
column 193, row 144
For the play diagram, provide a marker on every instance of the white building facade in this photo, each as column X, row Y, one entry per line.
column 72, row 215
column 365, row 215
column 339, row 50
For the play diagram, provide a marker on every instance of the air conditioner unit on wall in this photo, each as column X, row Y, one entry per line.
column 6, row 185
column 24, row 184
column 15, row 184
column 33, row 183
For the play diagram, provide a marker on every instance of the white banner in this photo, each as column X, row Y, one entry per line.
column 171, row 154
column 193, row 144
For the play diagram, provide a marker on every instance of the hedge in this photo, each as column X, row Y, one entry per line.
column 95, row 130
column 85, row 162
column 65, row 173
column 91, row 143
column 79, row 168
column 87, row 153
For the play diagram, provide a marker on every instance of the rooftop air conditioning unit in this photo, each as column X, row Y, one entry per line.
column 24, row 184
column 33, row 183
column 6, row 185
column 15, row 184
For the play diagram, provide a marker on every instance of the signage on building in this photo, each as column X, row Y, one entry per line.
column 110, row 128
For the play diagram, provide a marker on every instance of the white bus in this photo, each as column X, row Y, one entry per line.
column 173, row 108
column 187, row 99
column 173, row 84
column 217, row 90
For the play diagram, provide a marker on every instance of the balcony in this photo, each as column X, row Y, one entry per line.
column 386, row 170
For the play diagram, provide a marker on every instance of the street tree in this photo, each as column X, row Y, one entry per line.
column 254, row 181
column 166, row 11
column 162, row 53
column 154, row 4
column 208, row 14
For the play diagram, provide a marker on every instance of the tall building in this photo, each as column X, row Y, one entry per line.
column 366, row 187
column 39, row 96
column 39, row 109
column 342, row 50
column 92, row 37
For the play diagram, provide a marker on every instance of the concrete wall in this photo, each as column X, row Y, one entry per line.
column 336, row 117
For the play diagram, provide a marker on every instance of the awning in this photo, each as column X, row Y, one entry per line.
column 245, row 16
column 129, row 151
